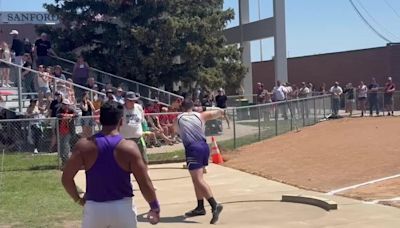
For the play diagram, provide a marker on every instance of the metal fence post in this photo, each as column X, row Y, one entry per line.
column 276, row 119
column 19, row 89
column 315, row 111
column 323, row 106
column 303, row 110
column 137, row 88
column 290, row 104
column 259, row 123
column 234, row 128
column 58, row 142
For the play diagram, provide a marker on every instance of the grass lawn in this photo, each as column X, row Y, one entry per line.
column 35, row 199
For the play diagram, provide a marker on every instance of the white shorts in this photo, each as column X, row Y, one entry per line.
column 115, row 214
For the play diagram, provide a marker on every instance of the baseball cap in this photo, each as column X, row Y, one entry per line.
column 14, row 32
column 131, row 96
column 109, row 91
column 66, row 102
column 390, row 78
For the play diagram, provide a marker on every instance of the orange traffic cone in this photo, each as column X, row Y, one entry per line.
column 216, row 156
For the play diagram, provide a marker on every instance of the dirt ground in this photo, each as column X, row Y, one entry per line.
column 330, row 155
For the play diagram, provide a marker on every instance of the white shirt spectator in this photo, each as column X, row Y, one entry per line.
column 132, row 122
column 363, row 91
column 336, row 91
column 304, row 92
column 279, row 93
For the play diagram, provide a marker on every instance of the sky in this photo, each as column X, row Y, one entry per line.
column 312, row 26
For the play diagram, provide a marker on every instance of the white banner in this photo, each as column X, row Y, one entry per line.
column 27, row 18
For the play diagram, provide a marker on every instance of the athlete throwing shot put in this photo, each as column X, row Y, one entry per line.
column 109, row 160
column 190, row 126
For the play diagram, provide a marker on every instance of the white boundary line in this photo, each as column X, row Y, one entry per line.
column 362, row 184
column 382, row 200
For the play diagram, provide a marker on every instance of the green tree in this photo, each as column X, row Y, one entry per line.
column 153, row 41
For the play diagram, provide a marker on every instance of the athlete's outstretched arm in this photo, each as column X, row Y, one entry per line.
column 70, row 169
column 212, row 115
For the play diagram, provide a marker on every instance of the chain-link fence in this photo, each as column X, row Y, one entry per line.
column 32, row 144
column 380, row 101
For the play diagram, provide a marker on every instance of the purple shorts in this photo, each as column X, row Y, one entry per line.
column 197, row 155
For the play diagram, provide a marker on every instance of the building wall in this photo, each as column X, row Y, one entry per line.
column 25, row 31
column 351, row 66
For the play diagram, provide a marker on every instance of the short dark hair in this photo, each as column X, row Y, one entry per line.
column 110, row 113
column 187, row 104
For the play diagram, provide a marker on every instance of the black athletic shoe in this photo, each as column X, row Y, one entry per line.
column 196, row 212
column 215, row 214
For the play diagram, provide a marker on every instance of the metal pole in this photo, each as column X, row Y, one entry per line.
column 137, row 89
column 315, row 112
column 58, row 142
column 291, row 114
column 303, row 109
column 19, row 90
column 323, row 105
column 234, row 128
column 276, row 119
column 259, row 123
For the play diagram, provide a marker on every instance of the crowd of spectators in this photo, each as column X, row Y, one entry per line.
column 363, row 95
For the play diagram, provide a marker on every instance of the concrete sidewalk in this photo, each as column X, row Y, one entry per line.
column 251, row 202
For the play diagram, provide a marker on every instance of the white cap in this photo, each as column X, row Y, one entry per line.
column 390, row 78
column 14, row 32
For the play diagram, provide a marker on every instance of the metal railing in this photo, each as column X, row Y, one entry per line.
column 35, row 74
column 103, row 78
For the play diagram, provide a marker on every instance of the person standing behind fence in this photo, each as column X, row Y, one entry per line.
column 27, row 75
column 80, row 74
column 350, row 98
column 390, row 88
column 5, row 55
column 109, row 160
column 362, row 97
column 43, row 84
column 17, row 47
column 35, row 127
column 42, row 49
column 336, row 92
column 220, row 101
column 373, row 89
column 131, row 127
column 87, row 111
column 304, row 92
column 66, row 129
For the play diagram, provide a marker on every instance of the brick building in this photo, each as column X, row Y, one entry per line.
column 348, row 66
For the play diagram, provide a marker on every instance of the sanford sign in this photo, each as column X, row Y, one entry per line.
column 27, row 18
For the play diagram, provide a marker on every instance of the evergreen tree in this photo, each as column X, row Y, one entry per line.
column 153, row 41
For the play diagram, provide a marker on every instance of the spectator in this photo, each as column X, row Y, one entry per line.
column 110, row 96
column 350, row 98
column 362, row 97
column 155, row 107
column 131, row 128
column 336, row 92
column 28, row 47
column 17, row 47
column 149, row 136
column 263, row 95
column 5, row 55
column 220, row 101
column 66, row 128
column 35, row 126
column 166, row 124
column 322, row 89
column 91, row 84
column 279, row 95
column 55, row 105
column 80, row 74
column 373, row 89
column 70, row 95
column 42, row 50
column 304, row 91
column 119, row 97
column 390, row 88
column 27, row 75
column 88, row 109
column 58, row 72
column 43, row 84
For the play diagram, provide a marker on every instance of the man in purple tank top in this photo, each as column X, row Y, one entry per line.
column 109, row 160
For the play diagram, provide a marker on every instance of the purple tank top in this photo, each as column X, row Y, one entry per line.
column 106, row 180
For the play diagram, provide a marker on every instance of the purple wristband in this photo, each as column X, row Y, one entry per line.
column 154, row 205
